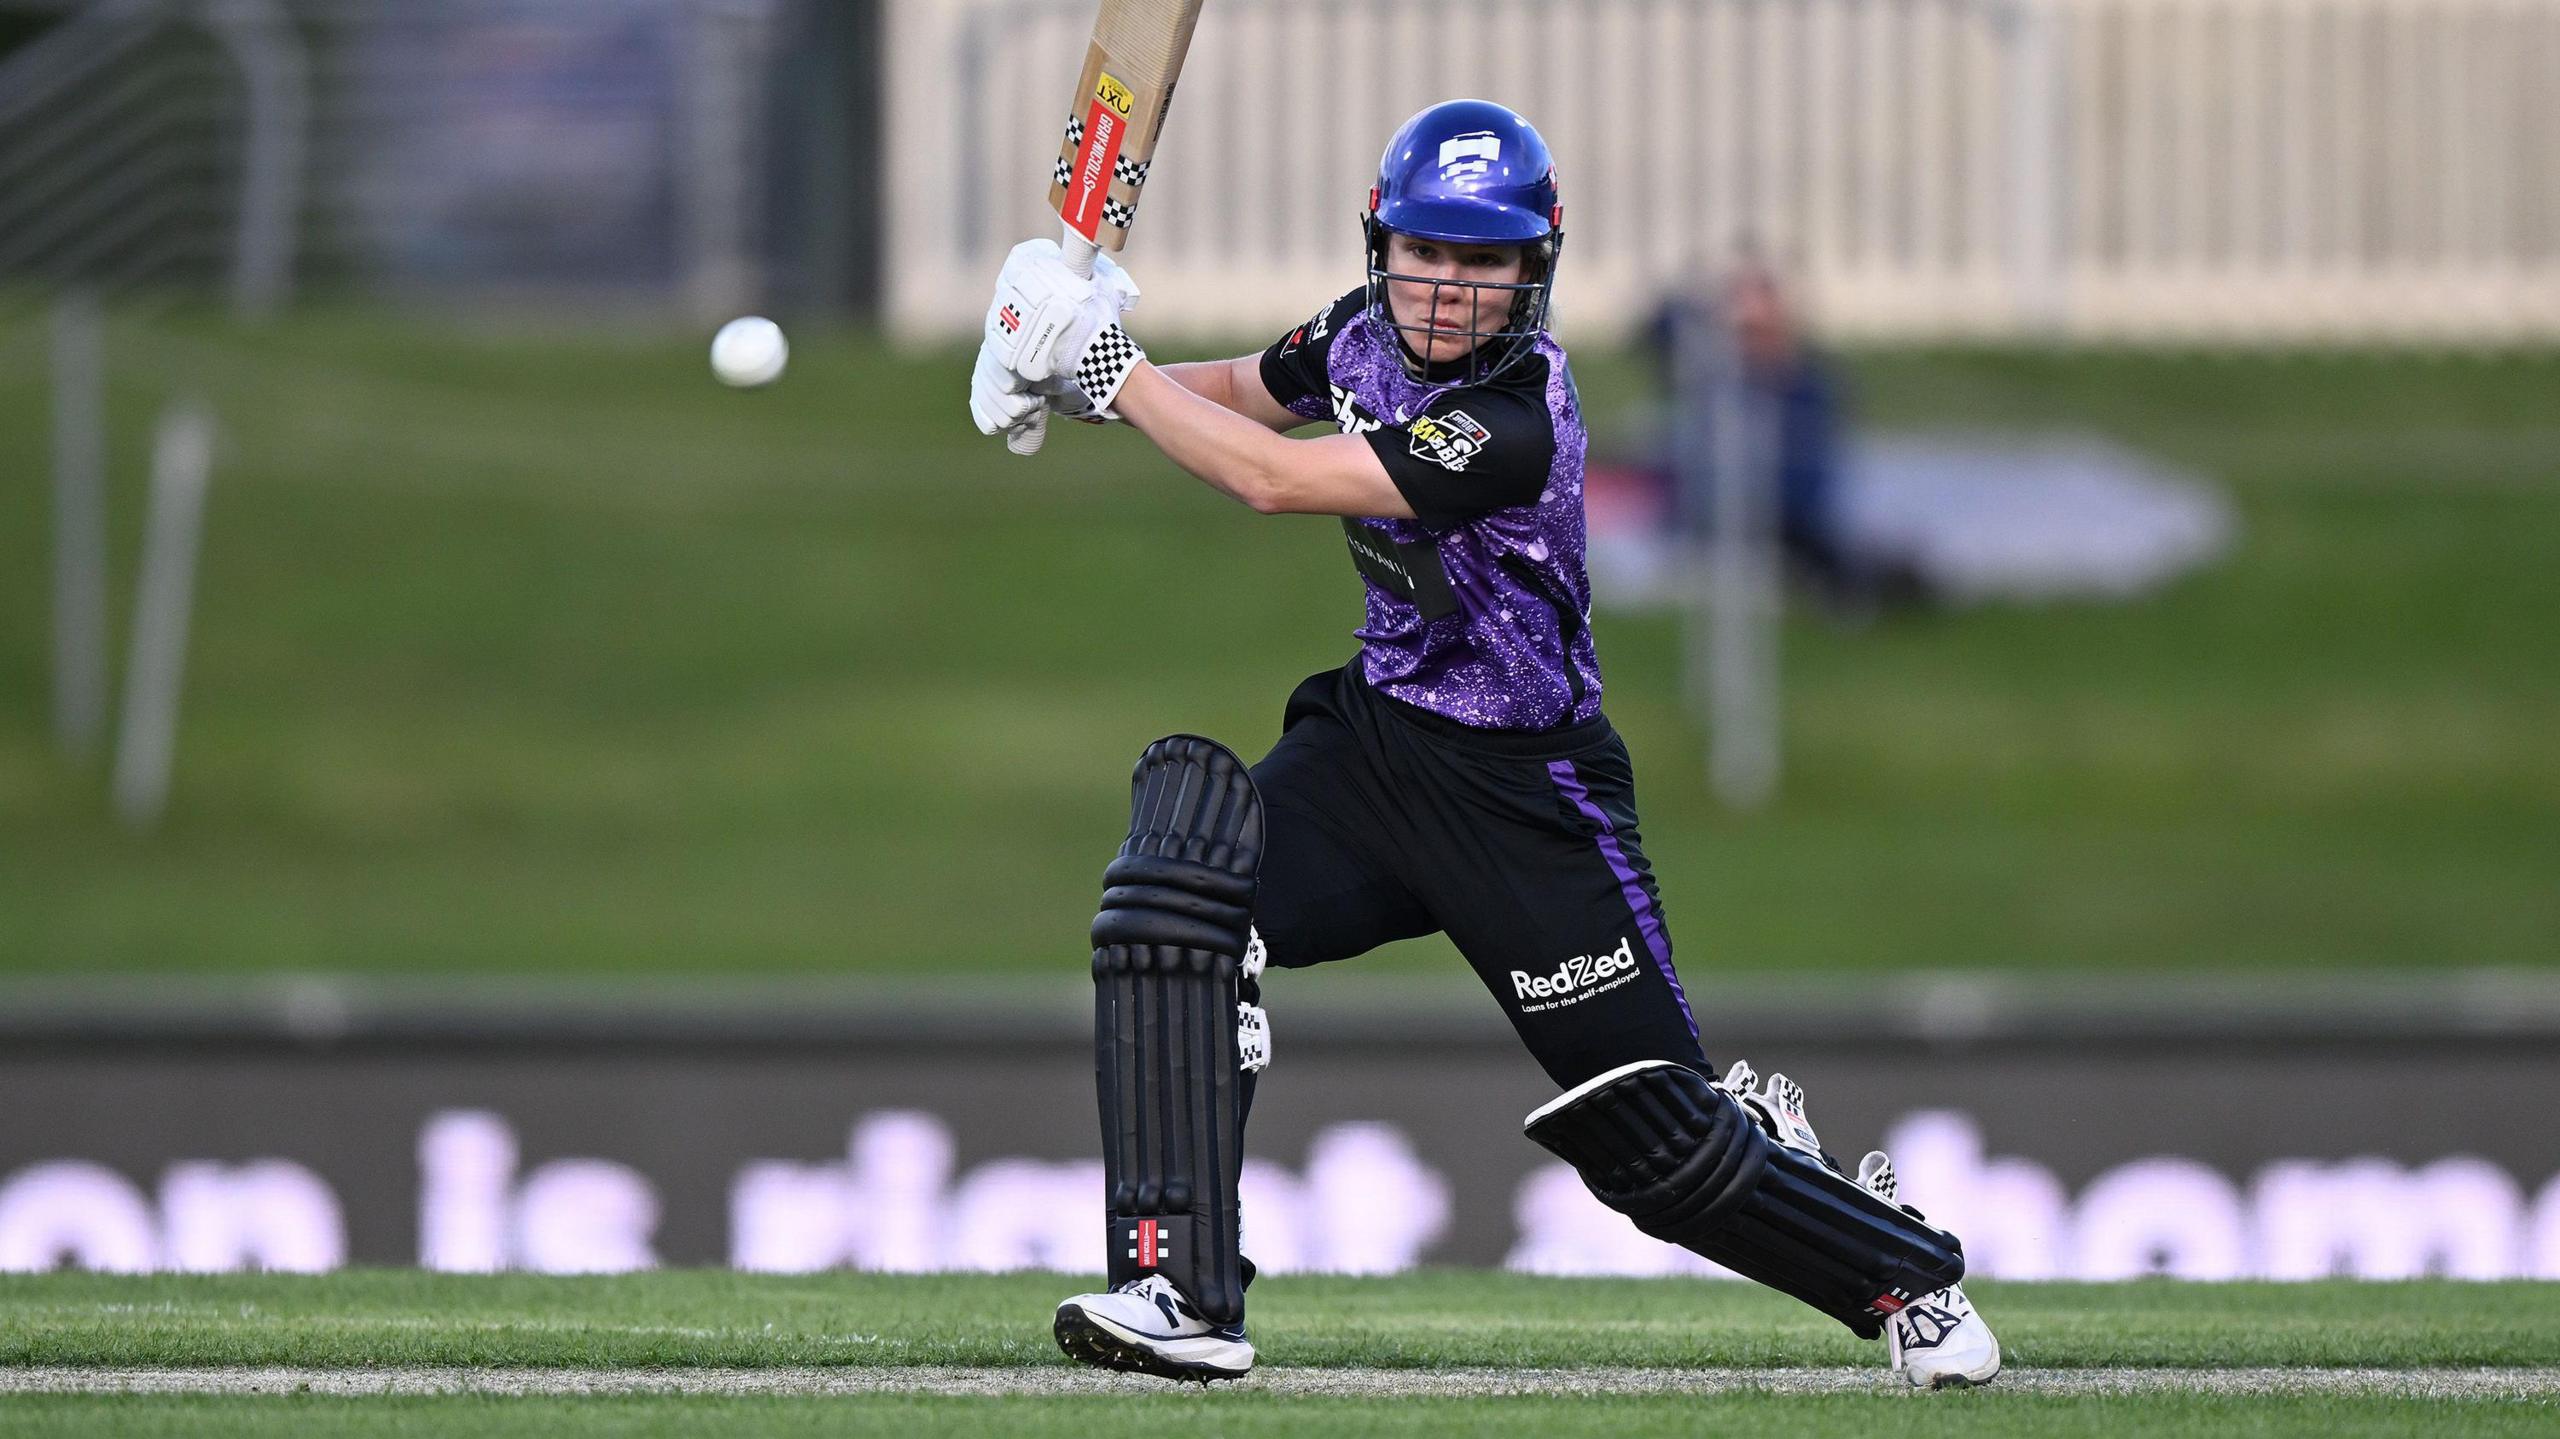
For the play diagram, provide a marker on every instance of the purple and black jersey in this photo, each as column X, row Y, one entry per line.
column 1479, row 610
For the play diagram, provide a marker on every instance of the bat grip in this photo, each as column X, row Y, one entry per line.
column 1079, row 253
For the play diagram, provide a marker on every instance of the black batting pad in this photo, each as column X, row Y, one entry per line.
column 1661, row 1144
column 1176, row 915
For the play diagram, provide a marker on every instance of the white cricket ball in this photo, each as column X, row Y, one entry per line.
column 749, row 351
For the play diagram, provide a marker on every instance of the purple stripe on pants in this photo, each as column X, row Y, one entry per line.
column 1648, row 923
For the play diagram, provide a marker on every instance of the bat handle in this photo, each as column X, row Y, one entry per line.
column 1079, row 252
column 1034, row 432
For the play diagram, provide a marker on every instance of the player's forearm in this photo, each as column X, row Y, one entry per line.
column 1228, row 452
column 1211, row 380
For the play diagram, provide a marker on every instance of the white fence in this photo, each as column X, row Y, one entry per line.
column 2234, row 170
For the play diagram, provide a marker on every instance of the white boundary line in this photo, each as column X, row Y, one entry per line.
column 2538, row 1384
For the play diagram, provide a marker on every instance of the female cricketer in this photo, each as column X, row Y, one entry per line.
column 1459, row 774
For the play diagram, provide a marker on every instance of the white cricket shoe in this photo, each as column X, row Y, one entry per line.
column 1779, row 1107
column 1146, row 1327
column 1936, row 1341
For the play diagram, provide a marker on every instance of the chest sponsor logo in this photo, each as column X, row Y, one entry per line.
column 1449, row 440
column 1577, row 978
column 1411, row 571
column 1348, row 415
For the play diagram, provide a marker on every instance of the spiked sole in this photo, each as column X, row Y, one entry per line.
column 1093, row 1342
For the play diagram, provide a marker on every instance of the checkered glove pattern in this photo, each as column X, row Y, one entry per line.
column 1106, row 365
column 1053, row 339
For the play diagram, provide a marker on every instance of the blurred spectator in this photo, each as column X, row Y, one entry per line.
column 1785, row 374
column 1950, row 518
column 1788, row 378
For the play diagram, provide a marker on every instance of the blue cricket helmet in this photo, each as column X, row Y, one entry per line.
column 1472, row 172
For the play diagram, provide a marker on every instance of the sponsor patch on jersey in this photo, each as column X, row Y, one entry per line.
column 1348, row 414
column 1410, row 571
column 1449, row 440
column 1314, row 329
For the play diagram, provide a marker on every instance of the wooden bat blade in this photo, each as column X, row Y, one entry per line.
column 1121, row 98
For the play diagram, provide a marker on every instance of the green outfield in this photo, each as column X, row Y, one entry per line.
column 970, row 1354
column 519, row 653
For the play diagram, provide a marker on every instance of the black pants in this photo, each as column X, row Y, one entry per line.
column 1383, row 822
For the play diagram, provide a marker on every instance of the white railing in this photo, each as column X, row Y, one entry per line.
column 2243, row 170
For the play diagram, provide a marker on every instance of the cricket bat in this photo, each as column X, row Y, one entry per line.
column 1129, row 69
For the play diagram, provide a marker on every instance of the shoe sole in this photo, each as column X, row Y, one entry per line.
column 1959, row 1381
column 1090, row 1341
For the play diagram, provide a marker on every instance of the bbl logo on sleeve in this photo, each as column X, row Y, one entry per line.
column 1449, row 440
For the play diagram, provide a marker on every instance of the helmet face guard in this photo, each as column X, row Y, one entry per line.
column 1469, row 173
column 1518, row 309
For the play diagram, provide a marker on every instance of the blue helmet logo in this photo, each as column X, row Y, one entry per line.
column 1468, row 170
column 1472, row 172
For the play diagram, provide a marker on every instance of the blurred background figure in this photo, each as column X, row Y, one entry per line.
column 1795, row 382
column 1940, row 512
column 1797, row 397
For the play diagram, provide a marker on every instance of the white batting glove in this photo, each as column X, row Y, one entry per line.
column 1043, row 310
column 1064, row 400
column 998, row 399
column 1036, row 296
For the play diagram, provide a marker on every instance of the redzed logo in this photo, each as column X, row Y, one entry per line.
column 1578, row 973
column 1009, row 319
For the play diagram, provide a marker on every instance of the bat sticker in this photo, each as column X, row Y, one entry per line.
column 1085, row 208
column 1116, row 95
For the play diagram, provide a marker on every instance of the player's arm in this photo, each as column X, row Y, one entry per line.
column 1246, row 460
column 1235, row 385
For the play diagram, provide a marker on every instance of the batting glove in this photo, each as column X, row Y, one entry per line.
column 998, row 399
column 1064, row 400
column 1043, row 308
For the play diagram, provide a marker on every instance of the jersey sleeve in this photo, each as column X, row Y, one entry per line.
column 1470, row 452
column 1293, row 369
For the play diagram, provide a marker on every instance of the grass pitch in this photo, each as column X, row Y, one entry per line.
column 1533, row 1343
column 1432, row 1319
column 1249, row 1415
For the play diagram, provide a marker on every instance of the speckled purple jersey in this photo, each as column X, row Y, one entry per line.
column 1479, row 610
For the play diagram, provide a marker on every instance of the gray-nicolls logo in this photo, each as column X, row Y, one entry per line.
column 1576, row 974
